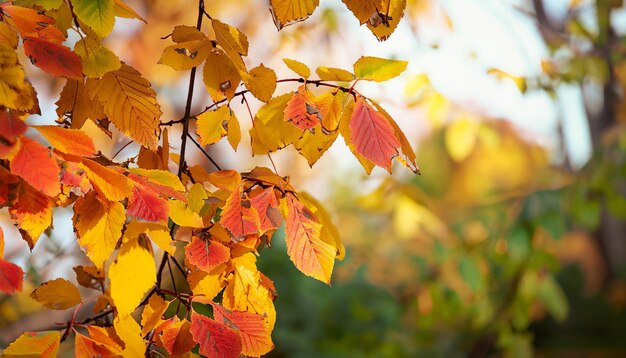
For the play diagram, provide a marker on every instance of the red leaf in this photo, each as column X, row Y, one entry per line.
column 11, row 277
column 147, row 205
column 301, row 112
column 30, row 23
column 239, row 217
column 53, row 58
column 206, row 254
column 44, row 175
column 255, row 336
column 215, row 339
column 372, row 136
column 11, row 127
column 266, row 206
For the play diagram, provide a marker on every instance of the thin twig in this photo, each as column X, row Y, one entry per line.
column 204, row 152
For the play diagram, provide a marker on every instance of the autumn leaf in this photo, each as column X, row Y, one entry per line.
column 215, row 339
column 261, row 81
column 128, row 290
column 372, row 136
column 382, row 16
column 130, row 103
column 57, row 294
column 11, row 277
column 76, row 103
column 11, row 128
column 298, row 67
column 177, row 338
column 98, row 226
column 146, row 204
column 34, row 344
column 378, row 69
column 186, row 55
column 30, row 23
column 129, row 331
column 97, row 60
column 53, row 58
column 333, row 74
column 255, row 336
column 182, row 215
column 210, row 125
column 238, row 216
column 45, row 175
column 99, row 15
column 266, row 206
column 70, row 141
column 206, row 254
column 152, row 313
column 305, row 248
column 270, row 132
column 32, row 213
column 220, row 76
column 288, row 12
column 109, row 183
column 301, row 111
column 87, row 347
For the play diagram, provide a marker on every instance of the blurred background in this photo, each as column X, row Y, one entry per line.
column 511, row 243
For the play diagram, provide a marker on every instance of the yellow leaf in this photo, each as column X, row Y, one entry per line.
column 129, row 332
column 130, row 103
column 234, row 131
column 127, row 290
column 32, row 213
column 270, row 132
column 159, row 234
column 460, row 138
column 245, row 291
column 287, row 12
column 34, row 344
column 383, row 23
column 207, row 284
column 298, row 67
column 195, row 198
column 220, row 76
column 125, row 11
column 57, row 294
column 378, row 69
column 15, row 92
column 519, row 81
column 186, row 55
column 210, row 125
column 230, row 39
column 261, row 81
column 331, row 106
column 312, row 145
column 111, row 184
column 181, row 215
column 162, row 177
column 151, row 315
column 95, row 58
column 99, row 227
column 334, row 74
column 99, row 15
column 184, row 33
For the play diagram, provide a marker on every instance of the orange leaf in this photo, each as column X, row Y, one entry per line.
column 266, row 207
column 372, row 135
column 301, row 111
column 147, row 205
column 238, row 216
column 87, row 347
column 32, row 213
column 305, row 248
column 30, row 23
column 177, row 338
column 53, row 58
column 45, row 175
column 111, row 184
column 69, row 141
column 206, row 254
column 34, row 344
column 11, row 277
column 255, row 336
column 215, row 339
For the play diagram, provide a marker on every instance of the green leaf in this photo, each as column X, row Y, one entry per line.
column 378, row 69
column 99, row 15
column 553, row 298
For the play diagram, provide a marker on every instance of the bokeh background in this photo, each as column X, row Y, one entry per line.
column 513, row 240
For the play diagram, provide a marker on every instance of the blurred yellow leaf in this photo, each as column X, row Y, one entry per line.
column 460, row 138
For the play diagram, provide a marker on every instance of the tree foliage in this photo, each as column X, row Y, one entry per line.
column 126, row 213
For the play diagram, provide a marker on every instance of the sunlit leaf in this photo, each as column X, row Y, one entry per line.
column 57, row 294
